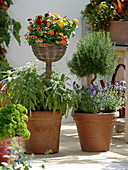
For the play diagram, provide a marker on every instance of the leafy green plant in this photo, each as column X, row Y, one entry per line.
column 94, row 56
column 12, row 122
column 8, row 27
column 25, row 86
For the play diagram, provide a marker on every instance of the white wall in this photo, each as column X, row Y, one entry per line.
column 24, row 9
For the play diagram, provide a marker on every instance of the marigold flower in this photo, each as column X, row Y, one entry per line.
column 55, row 20
column 34, row 37
column 76, row 20
column 27, row 36
column 39, row 40
column 51, row 32
column 48, row 24
column 43, row 45
column 61, row 24
column 29, row 28
column 57, row 15
column 37, row 27
column 71, row 23
column 59, row 33
column 65, row 16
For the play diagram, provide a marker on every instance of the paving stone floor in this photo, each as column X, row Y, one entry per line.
column 71, row 156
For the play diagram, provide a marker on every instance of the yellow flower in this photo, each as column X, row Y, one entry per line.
column 75, row 20
column 55, row 20
column 71, row 23
column 61, row 24
column 57, row 15
column 65, row 16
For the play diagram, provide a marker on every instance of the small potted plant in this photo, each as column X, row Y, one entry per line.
column 48, row 35
column 109, row 16
column 12, row 124
column 94, row 116
column 46, row 104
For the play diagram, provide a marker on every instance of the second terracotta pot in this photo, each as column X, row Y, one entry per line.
column 95, row 130
column 44, row 127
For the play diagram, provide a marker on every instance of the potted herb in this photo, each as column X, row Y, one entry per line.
column 12, row 124
column 46, row 102
column 48, row 35
column 109, row 16
column 96, row 107
column 8, row 27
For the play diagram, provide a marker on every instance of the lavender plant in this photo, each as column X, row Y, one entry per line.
column 95, row 99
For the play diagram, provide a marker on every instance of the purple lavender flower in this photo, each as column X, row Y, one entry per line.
column 122, row 83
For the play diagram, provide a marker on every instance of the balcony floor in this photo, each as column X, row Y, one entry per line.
column 71, row 156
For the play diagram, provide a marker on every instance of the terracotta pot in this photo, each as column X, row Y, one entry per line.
column 118, row 32
column 4, row 146
column 44, row 127
column 95, row 130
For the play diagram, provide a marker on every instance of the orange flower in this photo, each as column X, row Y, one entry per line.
column 43, row 45
column 38, row 40
column 51, row 32
column 27, row 36
column 48, row 24
column 64, row 37
column 29, row 28
column 37, row 27
column 34, row 37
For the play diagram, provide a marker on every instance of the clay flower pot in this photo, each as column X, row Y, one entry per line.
column 44, row 127
column 95, row 130
column 118, row 31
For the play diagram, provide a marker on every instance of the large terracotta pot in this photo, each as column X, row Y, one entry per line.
column 95, row 130
column 4, row 146
column 119, row 32
column 44, row 127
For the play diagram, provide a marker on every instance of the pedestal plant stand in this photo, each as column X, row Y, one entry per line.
column 49, row 54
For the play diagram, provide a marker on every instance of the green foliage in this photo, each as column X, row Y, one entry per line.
column 12, row 122
column 94, row 55
column 37, row 92
column 8, row 27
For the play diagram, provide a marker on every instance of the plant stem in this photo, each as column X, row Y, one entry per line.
column 95, row 76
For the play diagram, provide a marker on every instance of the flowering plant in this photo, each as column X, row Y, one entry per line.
column 99, row 13
column 94, row 99
column 50, row 29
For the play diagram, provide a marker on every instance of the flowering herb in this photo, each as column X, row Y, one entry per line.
column 50, row 29
column 94, row 99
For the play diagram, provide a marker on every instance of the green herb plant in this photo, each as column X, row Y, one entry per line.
column 12, row 122
column 25, row 86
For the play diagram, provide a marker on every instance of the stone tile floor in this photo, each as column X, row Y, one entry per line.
column 71, row 156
